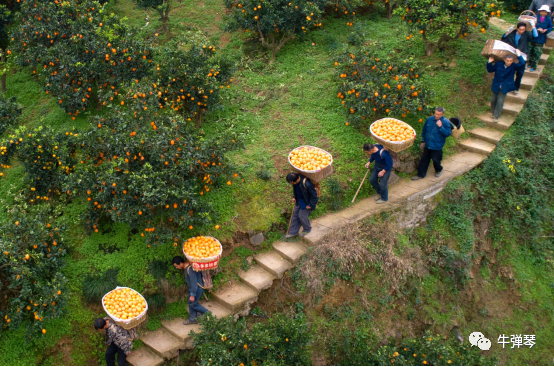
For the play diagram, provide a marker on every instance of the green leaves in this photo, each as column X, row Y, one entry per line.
column 9, row 113
column 281, row 341
column 30, row 260
column 375, row 87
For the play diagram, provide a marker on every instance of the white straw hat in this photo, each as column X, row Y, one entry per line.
column 545, row 8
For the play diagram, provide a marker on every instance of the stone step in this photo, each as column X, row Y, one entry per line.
column 257, row 278
column 520, row 97
column 273, row 262
column 217, row 309
column 528, row 82
column 511, row 108
column 237, row 297
column 176, row 328
column 535, row 74
column 478, row 146
column 291, row 251
column 504, row 122
column 492, row 136
column 544, row 58
column 144, row 357
column 162, row 343
column 546, row 50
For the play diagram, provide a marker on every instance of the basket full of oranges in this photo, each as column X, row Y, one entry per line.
column 312, row 162
column 126, row 307
column 393, row 134
column 203, row 252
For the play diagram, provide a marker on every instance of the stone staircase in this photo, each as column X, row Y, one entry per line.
column 165, row 343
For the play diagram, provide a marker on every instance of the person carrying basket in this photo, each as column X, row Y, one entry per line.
column 305, row 199
column 195, row 284
column 503, row 82
column 118, row 339
column 435, row 131
column 519, row 38
column 543, row 26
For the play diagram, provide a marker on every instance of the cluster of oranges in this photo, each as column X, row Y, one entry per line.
column 392, row 130
column 124, row 303
column 202, row 247
column 309, row 158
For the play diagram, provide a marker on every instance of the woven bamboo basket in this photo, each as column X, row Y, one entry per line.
column 457, row 127
column 315, row 176
column 395, row 146
column 525, row 18
column 131, row 323
column 499, row 50
column 205, row 263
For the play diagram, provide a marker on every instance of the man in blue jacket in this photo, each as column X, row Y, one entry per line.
column 503, row 82
column 305, row 197
column 380, row 174
column 435, row 131
column 195, row 282
column 520, row 39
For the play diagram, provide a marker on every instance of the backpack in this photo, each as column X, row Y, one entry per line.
column 316, row 187
column 393, row 155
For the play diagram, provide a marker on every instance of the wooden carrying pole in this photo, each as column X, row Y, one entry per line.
column 291, row 215
column 360, row 185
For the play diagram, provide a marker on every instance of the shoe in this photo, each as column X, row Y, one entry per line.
column 199, row 316
column 438, row 174
column 377, row 197
column 290, row 235
column 495, row 120
column 381, row 201
column 531, row 69
column 415, row 178
column 190, row 322
column 304, row 233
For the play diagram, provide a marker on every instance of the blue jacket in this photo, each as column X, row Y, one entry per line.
column 545, row 24
column 433, row 136
column 504, row 76
column 309, row 195
column 194, row 280
column 381, row 158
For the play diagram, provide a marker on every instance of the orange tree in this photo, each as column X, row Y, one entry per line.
column 148, row 167
column 47, row 156
column 441, row 21
column 190, row 80
column 163, row 7
column 32, row 287
column 274, row 22
column 372, row 87
column 10, row 111
column 77, row 49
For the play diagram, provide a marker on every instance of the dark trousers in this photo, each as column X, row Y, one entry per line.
column 110, row 356
column 519, row 76
column 428, row 155
column 195, row 306
column 497, row 103
column 300, row 217
column 380, row 184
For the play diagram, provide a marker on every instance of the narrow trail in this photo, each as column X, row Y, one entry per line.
column 164, row 343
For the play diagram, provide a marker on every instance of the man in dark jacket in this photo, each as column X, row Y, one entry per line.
column 521, row 39
column 435, row 131
column 503, row 82
column 305, row 197
column 195, row 282
column 118, row 340
column 380, row 174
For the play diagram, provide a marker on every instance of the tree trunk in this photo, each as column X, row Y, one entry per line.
column 198, row 120
column 165, row 16
column 430, row 48
column 388, row 9
column 164, row 24
column 4, row 83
